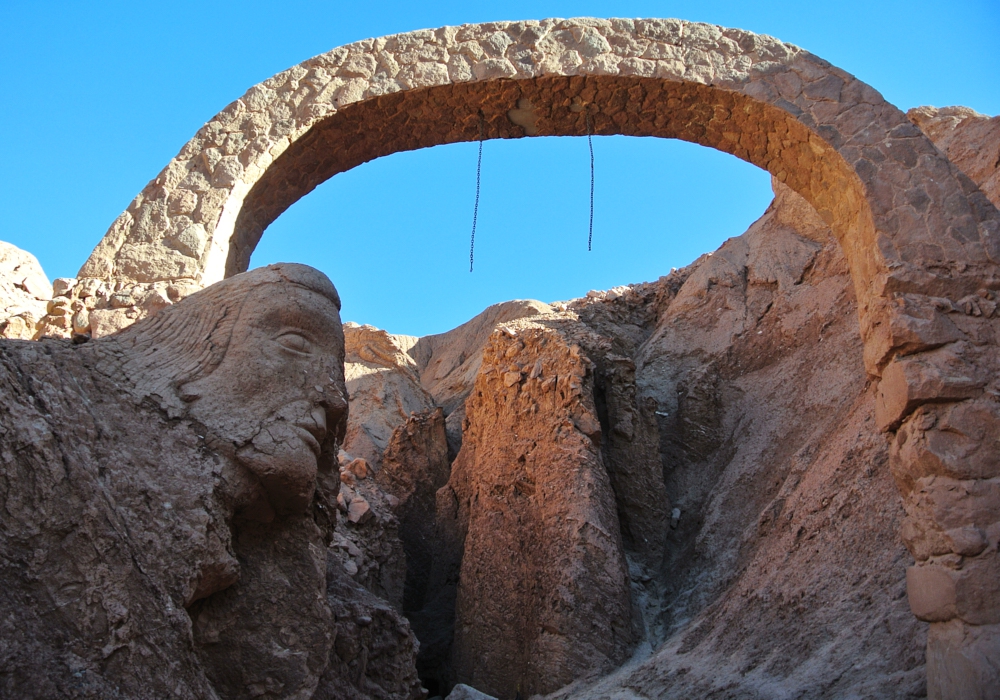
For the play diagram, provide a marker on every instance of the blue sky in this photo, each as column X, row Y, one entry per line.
column 99, row 96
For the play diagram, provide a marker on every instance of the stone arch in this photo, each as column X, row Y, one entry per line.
column 921, row 240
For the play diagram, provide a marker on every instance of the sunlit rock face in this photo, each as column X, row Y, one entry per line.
column 24, row 294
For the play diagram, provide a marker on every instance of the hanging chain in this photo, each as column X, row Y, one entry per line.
column 590, row 143
column 475, row 209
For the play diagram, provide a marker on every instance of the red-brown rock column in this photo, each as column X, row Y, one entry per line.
column 543, row 597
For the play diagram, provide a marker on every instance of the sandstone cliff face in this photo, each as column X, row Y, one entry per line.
column 773, row 460
column 384, row 386
column 543, row 592
column 448, row 362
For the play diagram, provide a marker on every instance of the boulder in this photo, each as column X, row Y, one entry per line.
column 464, row 692
column 24, row 293
column 384, row 387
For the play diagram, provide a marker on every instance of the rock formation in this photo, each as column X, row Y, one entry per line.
column 448, row 362
column 384, row 388
column 543, row 595
column 24, row 294
column 969, row 139
column 170, row 484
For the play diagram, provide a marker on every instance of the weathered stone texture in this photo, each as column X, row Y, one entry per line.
column 543, row 593
column 373, row 654
column 920, row 240
column 902, row 212
column 166, row 508
column 24, row 294
column 448, row 362
column 777, row 473
column 384, row 388
column 969, row 139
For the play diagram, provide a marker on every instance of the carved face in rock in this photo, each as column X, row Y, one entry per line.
column 279, row 390
column 258, row 360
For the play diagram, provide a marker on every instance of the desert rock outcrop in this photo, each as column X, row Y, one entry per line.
column 543, row 595
column 778, row 475
column 383, row 382
column 155, row 493
column 448, row 362
column 24, row 294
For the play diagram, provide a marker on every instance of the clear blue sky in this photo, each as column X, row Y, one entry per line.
column 98, row 96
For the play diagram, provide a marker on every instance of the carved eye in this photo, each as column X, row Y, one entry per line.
column 294, row 342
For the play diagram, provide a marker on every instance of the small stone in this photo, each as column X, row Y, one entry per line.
column 62, row 286
column 107, row 321
column 181, row 289
column 155, row 301
column 189, row 241
column 88, row 288
column 359, row 511
column 966, row 541
column 358, row 467
column 121, row 300
column 18, row 328
column 351, row 568
column 536, row 370
column 59, row 307
column 81, row 322
column 675, row 518
column 511, row 378
column 466, row 692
